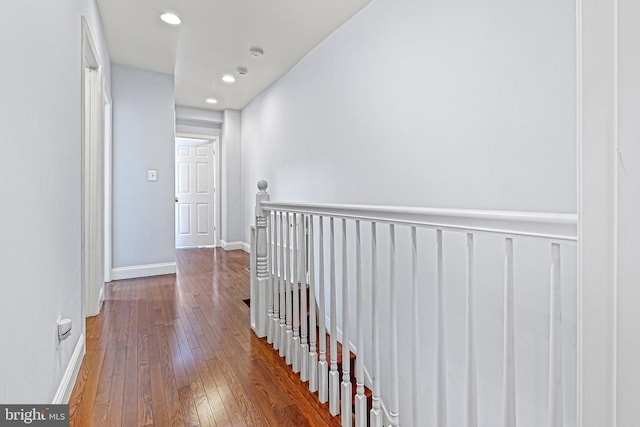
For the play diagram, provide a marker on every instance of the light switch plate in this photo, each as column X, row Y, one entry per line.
column 152, row 175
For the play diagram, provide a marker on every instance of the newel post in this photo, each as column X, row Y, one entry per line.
column 260, row 292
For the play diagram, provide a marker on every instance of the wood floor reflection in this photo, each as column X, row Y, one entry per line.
column 177, row 350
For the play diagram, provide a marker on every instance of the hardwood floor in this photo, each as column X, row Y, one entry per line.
column 178, row 351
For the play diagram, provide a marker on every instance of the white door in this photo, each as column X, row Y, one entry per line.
column 195, row 201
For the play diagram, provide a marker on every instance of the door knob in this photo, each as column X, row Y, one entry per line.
column 176, row 200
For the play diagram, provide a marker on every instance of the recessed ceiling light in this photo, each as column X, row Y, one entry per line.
column 228, row 78
column 256, row 51
column 171, row 18
column 211, row 101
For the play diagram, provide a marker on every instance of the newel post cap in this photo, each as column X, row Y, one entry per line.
column 261, row 196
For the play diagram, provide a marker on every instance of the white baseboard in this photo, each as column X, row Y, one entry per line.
column 101, row 297
column 246, row 247
column 135, row 271
column 63, row 394
column 233, row 246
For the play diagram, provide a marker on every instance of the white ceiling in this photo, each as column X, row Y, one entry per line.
column 214, row 39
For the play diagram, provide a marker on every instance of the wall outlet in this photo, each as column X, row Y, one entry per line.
column 64, row 328
column 152, row 175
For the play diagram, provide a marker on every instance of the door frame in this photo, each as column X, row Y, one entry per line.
column 216, row 179
column 108, row 180
column 92, row 177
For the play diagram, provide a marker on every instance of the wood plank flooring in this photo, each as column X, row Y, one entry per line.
column 177, row 350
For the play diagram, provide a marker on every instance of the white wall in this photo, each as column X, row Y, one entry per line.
column 143, row 138
column 441, row 104
column 231, row 181
column 40, row 169
column 431, row 103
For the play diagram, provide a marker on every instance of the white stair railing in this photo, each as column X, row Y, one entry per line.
column 304, row 333
column 471, row 395
column 312, row 361
column 360, row 399
column 295, row 287
column 299, row 296
column 334, row 376
column 376, row 407
column 323, row 365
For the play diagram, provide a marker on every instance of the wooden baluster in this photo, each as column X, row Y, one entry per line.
column 313, row 356
column 323, row 367
column 555, row 341
column 376, row 407
column 441, row 373
column 296, row 297
column 361, row 399
column 471, row 397
column 262, row 272
column 276, row 283
column 346, row 347
column 394, row 405
column 302, row 265
column 269, row 325
column 509, row 389
column 334, row 380
column 282, row 347
column 415, row 361
column 289, row 332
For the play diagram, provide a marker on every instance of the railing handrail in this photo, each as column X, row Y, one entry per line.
column 560, row 227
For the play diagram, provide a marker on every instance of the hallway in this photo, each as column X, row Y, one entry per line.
column 178, row 350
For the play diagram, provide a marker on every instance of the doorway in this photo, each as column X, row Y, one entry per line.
column 196, row 196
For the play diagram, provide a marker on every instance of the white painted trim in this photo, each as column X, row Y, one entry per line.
column 92, row 191
column 233, row 246
column 101, row 298
column 197, row 135
column 196, row 247
column 217, row 184
column 253, row 292
column 63, row 394
column 147, row 270
column 554, row 226
column 627, row 210
column 596, row 155
column 108, row 174
column 246, row 247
